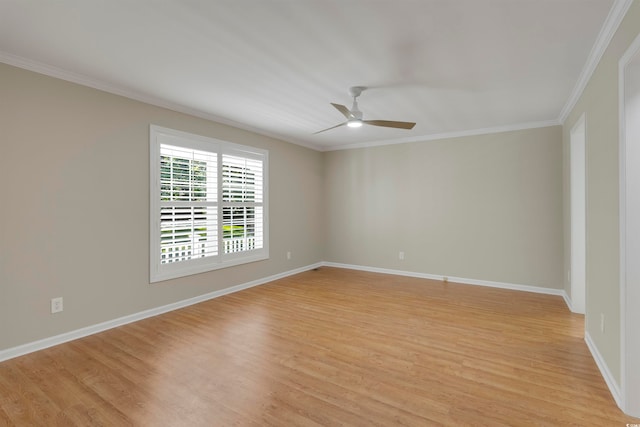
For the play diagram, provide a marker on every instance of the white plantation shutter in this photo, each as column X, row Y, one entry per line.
column 208, row 204
column 188, row 204
column 242, row 203
column 188, row 232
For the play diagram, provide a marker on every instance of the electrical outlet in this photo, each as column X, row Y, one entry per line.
column 401, row 255
column 288, row 255
column 602, row 322
column 56, row 305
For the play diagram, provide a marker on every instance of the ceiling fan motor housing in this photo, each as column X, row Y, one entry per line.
column 356, row 91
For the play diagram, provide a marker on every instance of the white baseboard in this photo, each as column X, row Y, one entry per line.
column 89, row 330
column 93, row 329
column 604, row 370
column 567, row 301
column 614, row 388
column 502, row 285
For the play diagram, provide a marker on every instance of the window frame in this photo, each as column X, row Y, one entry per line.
column 164, row 271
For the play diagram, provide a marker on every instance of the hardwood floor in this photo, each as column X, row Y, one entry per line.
column 324, row 348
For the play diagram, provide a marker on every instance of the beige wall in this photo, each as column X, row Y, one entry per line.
column 74, row 219
column 485, row 207
column 75, row 214
column 599, row 102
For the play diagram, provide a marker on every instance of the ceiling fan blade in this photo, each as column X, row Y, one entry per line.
column 332, row 127
column 390, row 124
column 344, row 110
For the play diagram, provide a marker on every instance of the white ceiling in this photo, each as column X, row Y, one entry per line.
column 273, row 66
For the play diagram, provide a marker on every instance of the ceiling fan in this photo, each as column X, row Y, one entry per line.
column 354, row 115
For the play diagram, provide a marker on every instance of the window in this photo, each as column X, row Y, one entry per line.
column 208, row 204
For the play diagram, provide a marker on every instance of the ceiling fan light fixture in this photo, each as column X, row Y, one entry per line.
column 354, row 115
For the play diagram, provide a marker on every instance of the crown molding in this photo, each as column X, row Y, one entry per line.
column 611, row 24
column 608, row 30
column 59, row 73
column 448, row 135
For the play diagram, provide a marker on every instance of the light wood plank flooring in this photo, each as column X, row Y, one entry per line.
column 325, row 348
